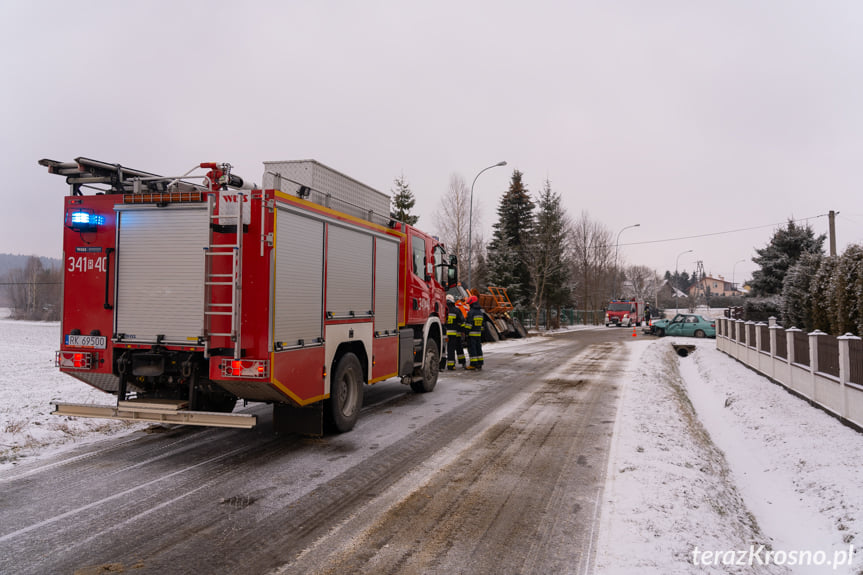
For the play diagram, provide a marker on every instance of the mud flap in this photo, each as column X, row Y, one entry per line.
column 406, row 352
column 307, row 420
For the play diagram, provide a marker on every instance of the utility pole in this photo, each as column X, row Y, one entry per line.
column 700, row 292
column 832, row 217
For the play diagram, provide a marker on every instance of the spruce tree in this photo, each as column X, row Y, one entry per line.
column 507, row 250
column 548, row 257
column 796, row 296
column 403, row 201
column 819, row 293
column 858, row 292
column 844, row 298
column 776, row 258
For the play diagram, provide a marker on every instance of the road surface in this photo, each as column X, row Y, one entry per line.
column 498, row 471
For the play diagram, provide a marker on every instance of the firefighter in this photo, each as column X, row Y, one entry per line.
column 454, row 325
column 474, row 336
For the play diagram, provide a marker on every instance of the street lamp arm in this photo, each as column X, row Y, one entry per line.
column 470, row 221
column 480, row 173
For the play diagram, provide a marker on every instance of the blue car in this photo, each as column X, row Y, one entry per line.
column 686, row 324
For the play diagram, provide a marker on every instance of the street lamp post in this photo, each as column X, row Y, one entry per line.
column 470, row 221
column 677, row 292
column 734, row 269
column 616, row 244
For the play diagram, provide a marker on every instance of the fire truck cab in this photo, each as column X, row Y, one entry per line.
column 184, row 294
column 625, row 313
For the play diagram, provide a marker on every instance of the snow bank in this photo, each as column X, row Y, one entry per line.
column 709, row 456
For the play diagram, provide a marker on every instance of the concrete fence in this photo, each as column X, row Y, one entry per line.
column 824, row 369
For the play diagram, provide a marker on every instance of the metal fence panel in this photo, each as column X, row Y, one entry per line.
column 750, row 335
column 855, row 348
column 781, row 344
column 801, row 348
column 765, row 338
column 828, row 355
column 567, row 317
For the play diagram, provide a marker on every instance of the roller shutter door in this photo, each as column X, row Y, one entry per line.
column 160, row 274
column 298, row 280
column 349, row 272
column 386, row 286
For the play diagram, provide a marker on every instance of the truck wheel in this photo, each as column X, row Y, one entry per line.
column 519, row 328
column 346, row 393
column 430, row 369
column 489, row 331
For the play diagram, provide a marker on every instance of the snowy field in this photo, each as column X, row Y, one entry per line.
column 29, row 382
column 711, row 464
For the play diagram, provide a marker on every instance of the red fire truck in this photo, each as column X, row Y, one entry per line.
column 624, row 313
column 184, row 294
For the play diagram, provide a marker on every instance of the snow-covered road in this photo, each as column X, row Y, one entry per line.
column 709, row 460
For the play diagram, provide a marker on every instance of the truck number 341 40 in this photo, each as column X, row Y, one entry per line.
column 86, row 263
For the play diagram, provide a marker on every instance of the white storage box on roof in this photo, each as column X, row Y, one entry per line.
column 329, row 188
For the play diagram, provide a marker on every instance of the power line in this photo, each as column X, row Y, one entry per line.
column 721, row 233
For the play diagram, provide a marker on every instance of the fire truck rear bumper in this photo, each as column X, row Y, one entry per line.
column 157, row 411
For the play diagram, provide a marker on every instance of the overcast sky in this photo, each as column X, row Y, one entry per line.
column 688, row 118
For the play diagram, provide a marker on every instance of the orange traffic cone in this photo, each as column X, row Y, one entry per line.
column 634, row 334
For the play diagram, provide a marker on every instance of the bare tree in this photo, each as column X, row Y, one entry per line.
column 640, row 280
column 34, row 291
column 593, row 259
column 452, row 220
column 479, row 263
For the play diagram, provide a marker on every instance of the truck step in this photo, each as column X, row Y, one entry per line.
column 157, row 411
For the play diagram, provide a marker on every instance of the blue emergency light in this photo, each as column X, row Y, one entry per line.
column 82, row 220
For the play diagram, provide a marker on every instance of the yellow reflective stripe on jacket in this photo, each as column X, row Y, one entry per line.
column 451, row 327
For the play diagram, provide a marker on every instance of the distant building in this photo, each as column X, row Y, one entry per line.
column 714, row 287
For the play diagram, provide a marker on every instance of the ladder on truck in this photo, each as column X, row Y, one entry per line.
column 214, row 308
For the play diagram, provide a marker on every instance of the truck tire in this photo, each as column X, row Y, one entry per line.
column 346, row 393
column 519, row 328
column 489, row 331
column 430, row 369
